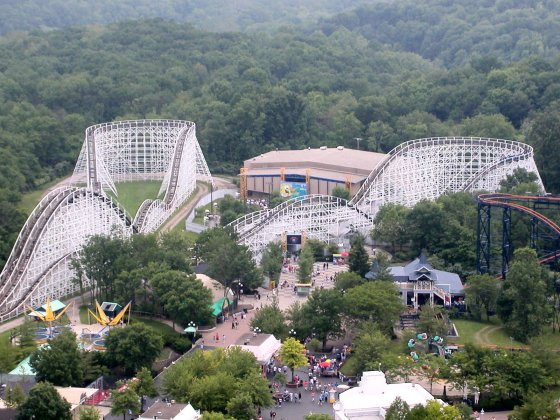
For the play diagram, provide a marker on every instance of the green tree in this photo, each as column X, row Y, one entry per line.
column 241, row 407
column 341, row 192
column 271, row 320
column 380, row 268
column 15, row 396
column 123, row 349
column 522, row 304
column 370, row 349
column 280, row 378
column 124, row 400
column 398, row 410
column 390, row 225
column 493, row 126
column 211, row 415
column 44, row 402
column 519, row 182
column 434, row 411
column 183, row 297
column 542, row 134
column 378, row 302
column 318, row 248
column 26, row 334
column 545, row 351
column 8, row 354
column 482, row 295
column 143, row 385
column 60, row 362
column 99, row 262
column 292, row 354
column 320, row 315
column 305, row 265
column 508, row 375
column 358, row 258
column 89, row 413
column 210, row 379
column 218, row 245
column 347, row 280
column 272, row 259
column 425, row 226
column 432, row 321
column 275, row 199
column 433, row 368
column 540, row 406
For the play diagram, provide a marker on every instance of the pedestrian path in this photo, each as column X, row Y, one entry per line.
column 323, row 277
column 286, row 297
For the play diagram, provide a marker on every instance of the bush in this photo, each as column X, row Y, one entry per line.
column 350, row 367
column 176, row 342
column 314, row 345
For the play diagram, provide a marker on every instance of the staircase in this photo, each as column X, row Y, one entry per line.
column 409, row 321
column 443, row 295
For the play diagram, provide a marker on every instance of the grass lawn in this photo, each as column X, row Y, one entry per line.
column 484, row 333
column 31, row 199
column 164, row 355
column 199, row 217
column 84, row 318
column 155, row 325
column 192, row 236
column 132, row 194
column 5, row 336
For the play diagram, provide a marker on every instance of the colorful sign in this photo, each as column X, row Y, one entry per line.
column 293, row 189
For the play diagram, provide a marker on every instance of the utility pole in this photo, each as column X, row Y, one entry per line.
column 358, row 140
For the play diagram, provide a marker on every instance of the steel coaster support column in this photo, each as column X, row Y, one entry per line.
column 506, row 240
column 483, row 238
column 534, row 233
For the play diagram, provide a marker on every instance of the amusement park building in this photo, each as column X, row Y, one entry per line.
column 317, row 170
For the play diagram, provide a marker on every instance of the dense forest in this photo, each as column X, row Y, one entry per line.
column 453, row 31
column 310, row 85
column 211, row 15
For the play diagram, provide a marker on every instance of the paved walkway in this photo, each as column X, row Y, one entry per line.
column 321, row 279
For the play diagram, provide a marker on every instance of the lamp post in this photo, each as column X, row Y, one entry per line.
column 292, row 332
column 358, row 140
column 239, row 290
column 193, row 326
column 256, row 331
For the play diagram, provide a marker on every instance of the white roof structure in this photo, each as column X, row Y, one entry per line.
column 170, row 411
column 263, row 346
column 370, row 400
column 215, row 287
column 74, row 395
column 326, row 162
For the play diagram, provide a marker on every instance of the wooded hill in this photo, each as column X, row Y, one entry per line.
column 291, row 88
column 211, row 15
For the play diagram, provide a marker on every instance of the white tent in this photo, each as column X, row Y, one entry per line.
column 371, row 399
column 263, row 346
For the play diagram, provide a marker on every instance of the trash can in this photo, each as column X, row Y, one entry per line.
column 332, row 396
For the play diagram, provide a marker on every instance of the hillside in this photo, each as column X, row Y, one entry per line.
column 211, row 15
column 253, row 92
column 456, row 31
